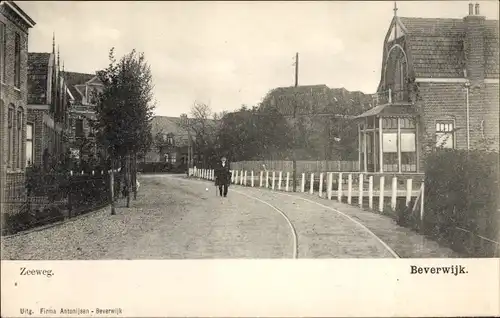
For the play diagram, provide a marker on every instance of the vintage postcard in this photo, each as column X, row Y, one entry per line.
column 249, row 158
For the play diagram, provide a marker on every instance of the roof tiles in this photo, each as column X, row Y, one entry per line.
column 437, row 49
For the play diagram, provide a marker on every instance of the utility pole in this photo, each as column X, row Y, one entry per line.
column 190, row 151
column 294, row 162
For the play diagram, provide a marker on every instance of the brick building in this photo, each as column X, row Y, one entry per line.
column 14, row 29
column 82, row 89
column 439, row 87
column 47, row 108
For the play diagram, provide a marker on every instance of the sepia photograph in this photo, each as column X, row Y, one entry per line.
column 233, row 130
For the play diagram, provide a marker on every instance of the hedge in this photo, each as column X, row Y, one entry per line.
column 461, row 191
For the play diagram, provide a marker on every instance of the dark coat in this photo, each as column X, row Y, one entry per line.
column 222, row 174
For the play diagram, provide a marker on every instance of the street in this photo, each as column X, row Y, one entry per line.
column 178, row 218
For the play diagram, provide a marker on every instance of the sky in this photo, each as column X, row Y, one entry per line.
column 227, row 54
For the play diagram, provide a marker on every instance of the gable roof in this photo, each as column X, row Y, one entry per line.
column 172, row 125
column 436, row 46
column 16, row 9
column 74, row 79
column 38, row 70
column 312, row 99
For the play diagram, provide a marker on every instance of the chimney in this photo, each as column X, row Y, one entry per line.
column 474, row 45
column 471, row 9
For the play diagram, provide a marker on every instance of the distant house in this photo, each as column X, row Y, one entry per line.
column 173, row 142
column 82, row 90
column 14, row 30
column 170, row 140
column 47, row 108
column 439, row 87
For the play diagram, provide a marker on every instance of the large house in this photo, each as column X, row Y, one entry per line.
column 82, row 91
column 47, row 109
column 14, row 29
column 439, row 87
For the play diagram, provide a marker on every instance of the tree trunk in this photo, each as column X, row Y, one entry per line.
column 111, row 187
column 134, row 175
column 127, row 179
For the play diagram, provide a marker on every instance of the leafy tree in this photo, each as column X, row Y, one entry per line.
column 124, row 111
column 252, row 134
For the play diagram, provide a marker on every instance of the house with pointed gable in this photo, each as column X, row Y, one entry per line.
column 82, row 91
column 47, row 122
column 439, row 87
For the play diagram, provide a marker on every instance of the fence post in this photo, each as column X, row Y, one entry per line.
column 370, row 192
column 422, row 188
column 303, row 183
column 311, row 184
column 280, row 175
column 409, row 191
column 273, row 179
column 339, row 188
column 349, row 188
column 381, row 194
column 360, row 187
column 251, row 181
column 267, row 179
column 245, row 178
column 287, row 180
column 261, row 179
column 329, row 179
column 321, row 185
column 394, row 193
column 241, row 177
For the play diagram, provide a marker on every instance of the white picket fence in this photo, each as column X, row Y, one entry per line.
column 349, row 185
column 93, row 172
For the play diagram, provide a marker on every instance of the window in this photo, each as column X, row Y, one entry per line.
column 3, row 42
column 79, row 128
column 17, row 61
column 170, row 140
column 173, row 158
column 29, row 145
column 10, row 137
column 445, row 135
column 19, row 139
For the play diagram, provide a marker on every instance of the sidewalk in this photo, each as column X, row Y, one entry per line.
column 404, row 241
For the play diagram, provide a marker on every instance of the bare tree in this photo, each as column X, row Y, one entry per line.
column 202, row 125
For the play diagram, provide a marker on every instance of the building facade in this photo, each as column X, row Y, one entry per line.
column 170, row 140
column 82, row 91
column 47, row 125
column 14, row 30
column 439, row 87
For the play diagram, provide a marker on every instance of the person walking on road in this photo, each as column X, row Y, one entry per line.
column 223, row 177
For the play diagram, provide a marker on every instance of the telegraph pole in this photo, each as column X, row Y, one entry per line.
column 294, row 162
